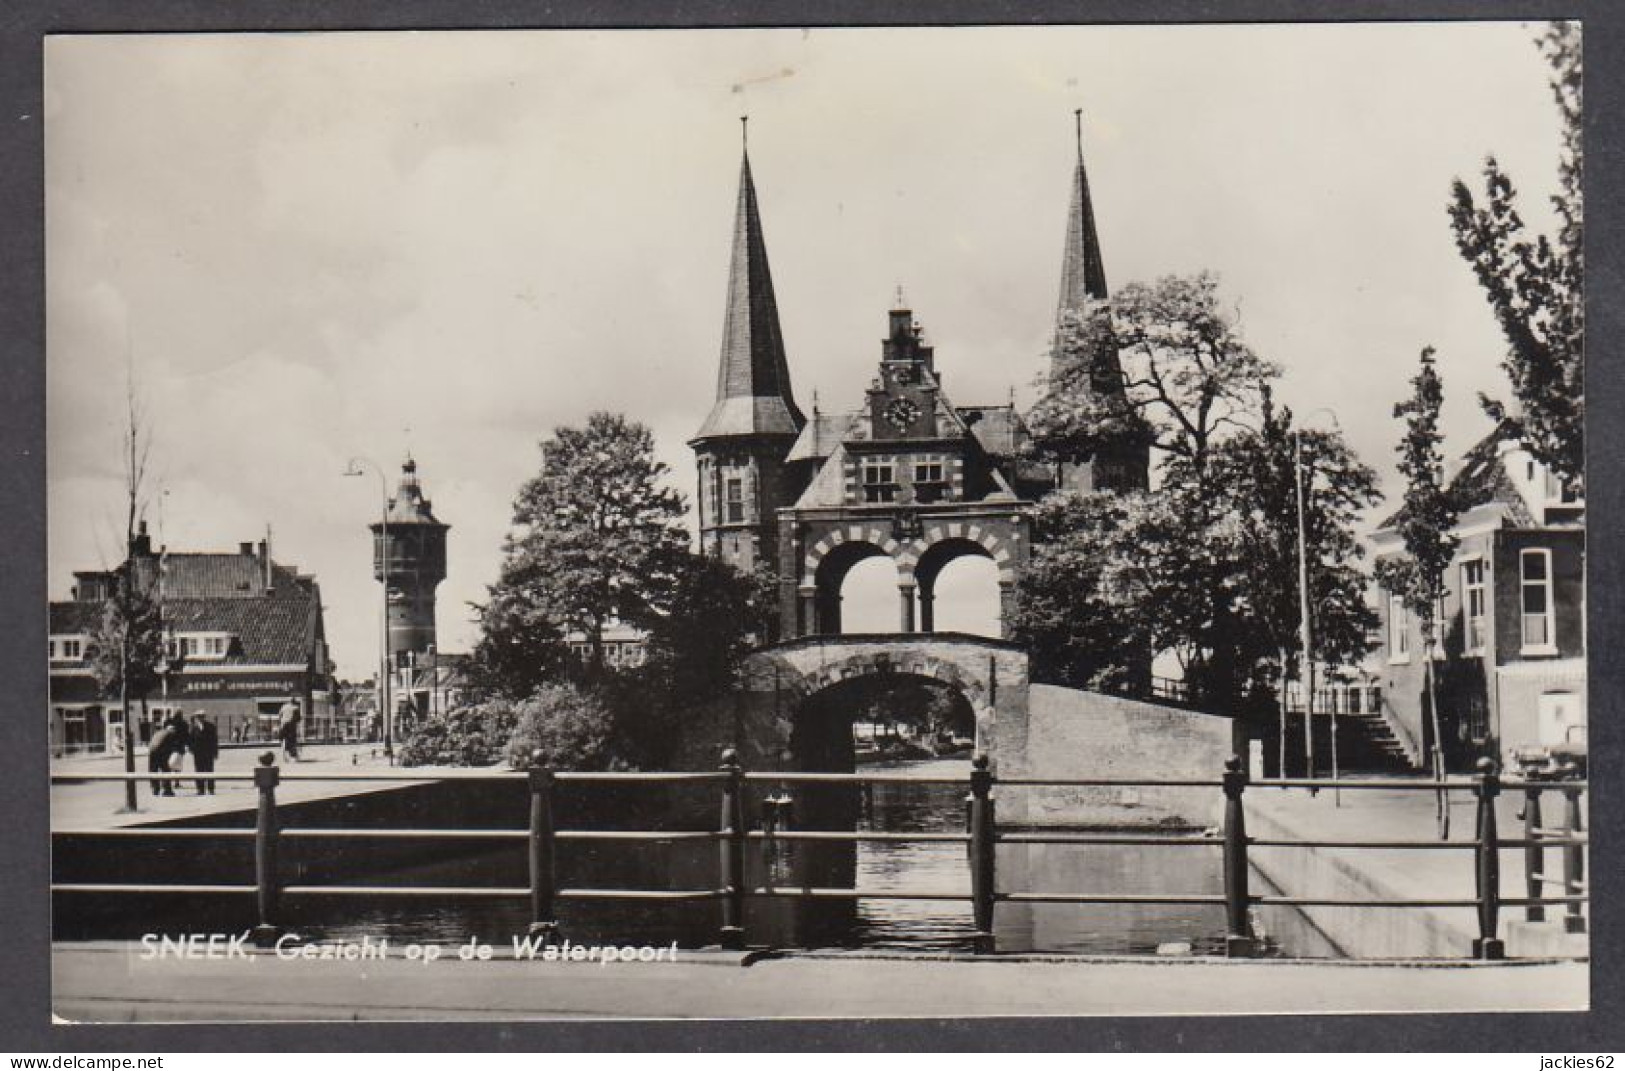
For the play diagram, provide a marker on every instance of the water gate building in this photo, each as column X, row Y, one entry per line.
column 906, row 474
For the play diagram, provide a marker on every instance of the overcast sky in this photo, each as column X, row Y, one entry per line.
column 317, row 246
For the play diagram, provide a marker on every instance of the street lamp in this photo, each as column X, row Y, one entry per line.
column 1306, row 668
column 357, row 467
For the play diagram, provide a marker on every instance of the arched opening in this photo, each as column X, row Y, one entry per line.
column 965, row 597
column 869, row 597
column 881, row 717
column 959, row 589
column 857, row 590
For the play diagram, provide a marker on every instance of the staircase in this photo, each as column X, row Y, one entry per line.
column 1367, row 744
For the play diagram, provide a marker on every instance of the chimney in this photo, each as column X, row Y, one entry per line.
column 141, row 545
column 265, row 562
column 246, row 549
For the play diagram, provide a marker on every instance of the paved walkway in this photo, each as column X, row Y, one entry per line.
column 1378, row 814
column 111, row 983
column 100, row 804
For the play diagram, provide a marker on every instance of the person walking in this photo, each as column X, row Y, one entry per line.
column 205, row 739
column 288, row 730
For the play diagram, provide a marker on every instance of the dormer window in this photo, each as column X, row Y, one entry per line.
column 67, row 648
column 199, row 646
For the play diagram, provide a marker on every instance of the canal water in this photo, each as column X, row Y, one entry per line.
column 869, row 922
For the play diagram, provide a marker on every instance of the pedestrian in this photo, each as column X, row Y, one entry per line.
column 205, row 749
column 162, row 749
column 288, row 730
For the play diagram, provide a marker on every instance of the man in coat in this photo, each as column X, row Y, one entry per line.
column 205, row 743
column 166, row 744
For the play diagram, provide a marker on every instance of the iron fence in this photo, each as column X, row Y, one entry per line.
column 981, row 837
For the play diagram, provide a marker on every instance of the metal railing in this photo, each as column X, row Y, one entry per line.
column 981, row 836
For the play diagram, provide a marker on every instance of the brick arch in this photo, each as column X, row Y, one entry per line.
column 878, row 663
column 866, row 532
column 989, row 537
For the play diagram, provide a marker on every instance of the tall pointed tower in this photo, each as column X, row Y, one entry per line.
column 1124, row 465
column 740, row 449
column 409, row 555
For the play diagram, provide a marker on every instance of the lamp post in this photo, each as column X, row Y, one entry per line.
column 357, row 467
column 1306, row 670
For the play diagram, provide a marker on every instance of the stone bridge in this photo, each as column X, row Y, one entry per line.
column 991, row 675
column 795, row 701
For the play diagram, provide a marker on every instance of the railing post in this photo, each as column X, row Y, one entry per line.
column 1487, row 854
column 266, row 776
column 733, row 852
column 1574, row 860
column 1238, row 938
column 983, row 872
column 1534, row 856
column 543, row 847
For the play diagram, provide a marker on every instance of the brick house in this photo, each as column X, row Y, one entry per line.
column 1511, row 667
column 250, row 630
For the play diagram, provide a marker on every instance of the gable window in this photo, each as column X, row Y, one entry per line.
column 1535, row 588
column 1399, row 630
column 879, row 481
column 735, row 491
column 1472, row 606
column 930, row 483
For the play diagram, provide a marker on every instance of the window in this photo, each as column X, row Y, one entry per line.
column 879, row 481
column 1472, row 606
column 735, row 489
column 1399, row 630
column 203, row 646
column 929, row 482
column 67, row 648
column 1535, row 575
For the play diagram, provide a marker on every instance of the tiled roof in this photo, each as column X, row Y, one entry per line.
column 216, row 576
column 999, row 428
column 1483, row 480
column 821, row 436
column 224, row 593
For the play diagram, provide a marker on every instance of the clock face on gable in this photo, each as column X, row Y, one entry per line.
column 901, row 413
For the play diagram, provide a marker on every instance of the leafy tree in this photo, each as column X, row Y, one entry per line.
column 1535, row 283
column 1258, row 473
column 570, row 726
column 702, row 618
column 1426, row 523
column 1083, row 407
column 591, row 531
column 520, row 647
column 1071, row 622
column 1205, row 566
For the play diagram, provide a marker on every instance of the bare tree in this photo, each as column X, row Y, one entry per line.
column 128, row 644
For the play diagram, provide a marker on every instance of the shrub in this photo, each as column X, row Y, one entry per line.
column 471, row 736
column 572, row 729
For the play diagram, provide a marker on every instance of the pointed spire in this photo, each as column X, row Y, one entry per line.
column 1083, row 272
column 753, row 376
